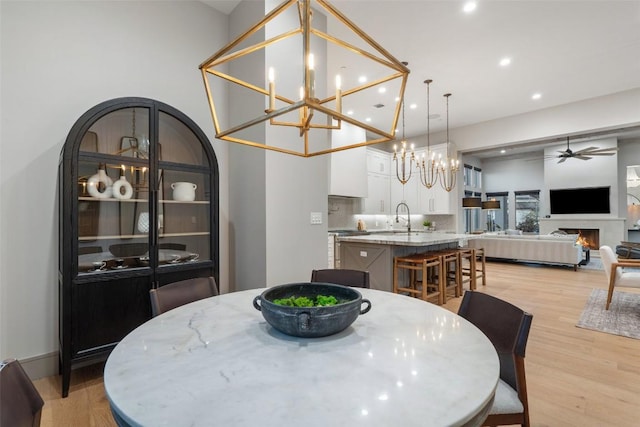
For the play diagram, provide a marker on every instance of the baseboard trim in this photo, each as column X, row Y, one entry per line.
column 45, row 365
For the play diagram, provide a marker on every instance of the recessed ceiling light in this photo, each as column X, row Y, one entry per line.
column 362, row 79
column 397, row 99
column 368, row 119
column 413, row 106
column 469, row 6
column 382, row 89
column 350, row 112
column 503, row 151
column 536, row 96
column 505, row 61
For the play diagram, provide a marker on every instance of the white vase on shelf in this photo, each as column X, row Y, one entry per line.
column 122, row 189
column 100, row 185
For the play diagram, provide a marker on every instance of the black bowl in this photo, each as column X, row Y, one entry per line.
column 311, row 322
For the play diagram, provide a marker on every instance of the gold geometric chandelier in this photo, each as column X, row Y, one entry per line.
column 279, row 71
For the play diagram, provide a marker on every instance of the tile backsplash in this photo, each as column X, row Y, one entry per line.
column 344, row 213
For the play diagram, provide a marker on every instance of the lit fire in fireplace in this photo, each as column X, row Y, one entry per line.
column 588, row 238
column 582, row 241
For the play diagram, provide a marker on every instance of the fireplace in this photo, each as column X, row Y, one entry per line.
column 589, row 237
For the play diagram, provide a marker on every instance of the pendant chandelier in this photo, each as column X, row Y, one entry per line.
column 401, row 159
column 428, row 166
column 449, row 166
column 290, row 104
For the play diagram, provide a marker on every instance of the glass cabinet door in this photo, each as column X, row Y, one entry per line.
column 113, row 193
column 184, row 195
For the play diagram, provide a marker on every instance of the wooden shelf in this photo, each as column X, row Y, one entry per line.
column 111, row 199
column 197, row 233
column 140, row 236
column 96, row 199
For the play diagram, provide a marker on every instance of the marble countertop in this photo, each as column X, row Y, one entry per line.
column 406, row 239
column 217, row 362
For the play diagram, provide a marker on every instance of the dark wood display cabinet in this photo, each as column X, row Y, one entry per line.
column 138, row 199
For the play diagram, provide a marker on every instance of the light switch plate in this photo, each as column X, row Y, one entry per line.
column 316, row 218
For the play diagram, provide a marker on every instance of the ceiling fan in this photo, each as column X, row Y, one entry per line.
column 585, row 153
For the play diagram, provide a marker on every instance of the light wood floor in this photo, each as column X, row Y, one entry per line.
column 576, row 377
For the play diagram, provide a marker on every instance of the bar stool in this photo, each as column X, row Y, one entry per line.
column 481, row 265
column 467, row 260
column 429, row 266
column 451, row 273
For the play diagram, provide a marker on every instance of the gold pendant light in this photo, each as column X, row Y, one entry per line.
column 449, row 166
column 401, row 159
column 428, row 166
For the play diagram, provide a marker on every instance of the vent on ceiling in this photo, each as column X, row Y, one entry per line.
column 378, row 105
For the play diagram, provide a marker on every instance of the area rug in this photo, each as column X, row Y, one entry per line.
column 622, row 318
column 593, row 264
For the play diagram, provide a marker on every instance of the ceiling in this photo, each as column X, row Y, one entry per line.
column 566, row 51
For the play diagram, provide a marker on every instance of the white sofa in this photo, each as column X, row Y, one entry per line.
column 555, row 249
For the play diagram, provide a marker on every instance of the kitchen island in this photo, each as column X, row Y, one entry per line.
column 375, row 252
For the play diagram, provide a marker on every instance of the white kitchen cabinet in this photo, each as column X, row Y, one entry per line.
column 378, row 162
column 379, row 200
column 348, row 168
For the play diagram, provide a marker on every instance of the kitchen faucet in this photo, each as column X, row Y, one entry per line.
column 408, row 215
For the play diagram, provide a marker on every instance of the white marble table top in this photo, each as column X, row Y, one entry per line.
column 407, row 239
column 216, row 362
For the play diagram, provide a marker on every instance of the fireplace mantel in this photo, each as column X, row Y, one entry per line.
column 612, row 230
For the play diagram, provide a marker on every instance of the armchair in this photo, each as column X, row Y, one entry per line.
column 616, row 274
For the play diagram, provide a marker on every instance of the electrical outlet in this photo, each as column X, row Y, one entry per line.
column 316, row 218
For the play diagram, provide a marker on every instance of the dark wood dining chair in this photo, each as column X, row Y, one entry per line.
column 342, row 276
column 507, row 327
column 20, row 403
column 175, row 294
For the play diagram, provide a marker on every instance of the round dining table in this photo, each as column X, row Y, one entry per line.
column 217, row 362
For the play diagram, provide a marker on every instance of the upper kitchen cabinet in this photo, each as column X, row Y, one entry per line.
column 378, row 200
column 348, row 175
column 138, row 202
column 378, row 162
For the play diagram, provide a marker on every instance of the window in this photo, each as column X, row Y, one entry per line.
column 499, row 219
column 472, row 176
column 471, row 216
column 527, row 208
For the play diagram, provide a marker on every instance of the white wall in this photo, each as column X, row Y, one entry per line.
column 58, row 60
column 614, row 111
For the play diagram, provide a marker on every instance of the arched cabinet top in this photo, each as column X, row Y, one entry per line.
column 155, row 110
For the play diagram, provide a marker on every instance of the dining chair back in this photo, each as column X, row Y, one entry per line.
column 507, row 327
column 342, row 276
column 175, row 294
column 20, row 403
column 617, row 274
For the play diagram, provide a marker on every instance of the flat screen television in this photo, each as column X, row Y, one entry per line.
column 587, row 200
